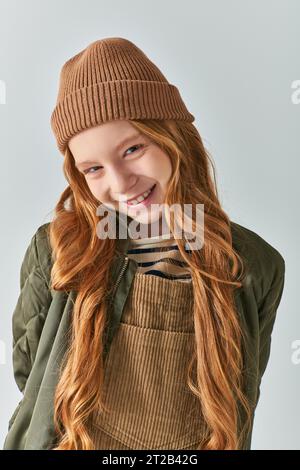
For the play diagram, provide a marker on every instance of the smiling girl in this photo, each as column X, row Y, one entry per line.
column 138, row 343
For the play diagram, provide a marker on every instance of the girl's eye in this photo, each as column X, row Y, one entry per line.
column 87, row 171
column 135, row 146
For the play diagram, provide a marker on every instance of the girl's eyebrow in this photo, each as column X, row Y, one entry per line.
column 117, row 149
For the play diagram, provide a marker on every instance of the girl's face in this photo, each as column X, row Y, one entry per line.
column 117, row 170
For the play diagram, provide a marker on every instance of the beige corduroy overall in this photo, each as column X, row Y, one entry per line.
column 145, row 383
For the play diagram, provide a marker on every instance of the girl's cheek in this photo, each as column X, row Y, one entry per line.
column 95, row 191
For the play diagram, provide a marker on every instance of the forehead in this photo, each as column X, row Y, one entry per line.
column 101, row 142
column 106, row 132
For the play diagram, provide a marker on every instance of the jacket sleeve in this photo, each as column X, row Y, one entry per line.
column 267, row 315
column 31, row 308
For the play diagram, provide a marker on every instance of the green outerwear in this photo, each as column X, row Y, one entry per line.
column 42, row 317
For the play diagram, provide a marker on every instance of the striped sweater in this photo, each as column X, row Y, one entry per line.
column 160, row 256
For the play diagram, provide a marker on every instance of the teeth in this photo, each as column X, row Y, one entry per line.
column 140, row 198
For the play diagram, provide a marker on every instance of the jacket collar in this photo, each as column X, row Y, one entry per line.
column 122, row 243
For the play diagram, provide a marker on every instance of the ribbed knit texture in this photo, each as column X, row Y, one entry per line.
column 112, row 79
column 151, row 406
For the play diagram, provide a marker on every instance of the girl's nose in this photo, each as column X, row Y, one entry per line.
column 122, row 186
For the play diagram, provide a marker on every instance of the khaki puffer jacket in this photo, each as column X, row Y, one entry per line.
column 42, row 316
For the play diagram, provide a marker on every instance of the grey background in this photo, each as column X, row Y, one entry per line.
column 234, row 63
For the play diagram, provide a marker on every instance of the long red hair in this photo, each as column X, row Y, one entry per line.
column 82, row 262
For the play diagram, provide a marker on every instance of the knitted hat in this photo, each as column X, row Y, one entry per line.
column 112, row 79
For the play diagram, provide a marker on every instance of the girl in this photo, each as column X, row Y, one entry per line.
column 138, row 342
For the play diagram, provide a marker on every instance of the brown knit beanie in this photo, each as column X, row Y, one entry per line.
column 112, row 79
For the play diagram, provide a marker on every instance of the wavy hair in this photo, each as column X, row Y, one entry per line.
column 82, row 261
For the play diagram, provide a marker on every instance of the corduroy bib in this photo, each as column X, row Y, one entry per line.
column 145, row 383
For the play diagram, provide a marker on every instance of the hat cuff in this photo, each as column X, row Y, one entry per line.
column 118, row 99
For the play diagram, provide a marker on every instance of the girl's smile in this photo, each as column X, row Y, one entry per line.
column 143, row 199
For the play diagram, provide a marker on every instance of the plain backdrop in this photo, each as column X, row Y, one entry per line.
column 235, row 64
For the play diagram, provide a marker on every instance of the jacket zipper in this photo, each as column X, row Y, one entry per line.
column 110, row 335
column 126, row 260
